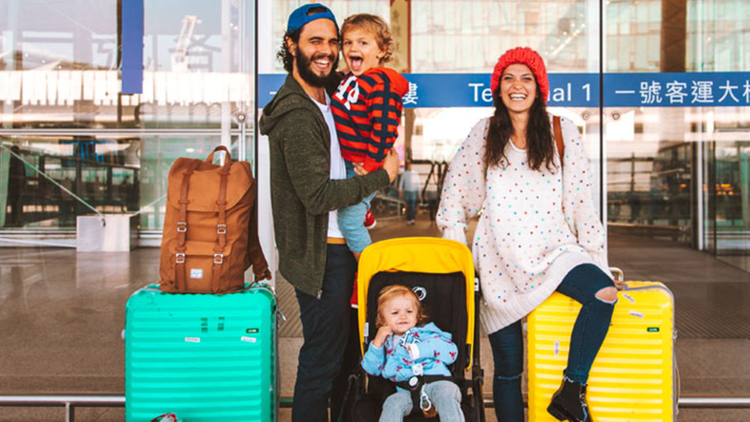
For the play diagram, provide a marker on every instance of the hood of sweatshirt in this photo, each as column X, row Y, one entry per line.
column 289, row 98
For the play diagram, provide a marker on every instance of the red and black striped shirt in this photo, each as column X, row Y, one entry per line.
column 367, row 111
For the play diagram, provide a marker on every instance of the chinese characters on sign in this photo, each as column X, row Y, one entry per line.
column 411, row 97
column 694, row 89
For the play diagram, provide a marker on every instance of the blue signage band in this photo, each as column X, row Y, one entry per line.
column 690, row 89
column 132, row 46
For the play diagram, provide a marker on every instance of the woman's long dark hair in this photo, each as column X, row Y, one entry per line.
column 539, row 141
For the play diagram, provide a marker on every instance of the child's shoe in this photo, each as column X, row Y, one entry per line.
column 370, row 221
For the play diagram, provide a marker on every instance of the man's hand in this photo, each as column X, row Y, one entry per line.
column 383, row 333
column 390, row 164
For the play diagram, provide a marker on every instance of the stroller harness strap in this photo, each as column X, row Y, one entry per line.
column 415, row 386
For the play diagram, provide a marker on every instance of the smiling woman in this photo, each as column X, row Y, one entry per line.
column 524, row 122
column 527, row 244
column 518, row 92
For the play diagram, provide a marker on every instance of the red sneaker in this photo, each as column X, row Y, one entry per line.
column 354, row 300
column 370, row 220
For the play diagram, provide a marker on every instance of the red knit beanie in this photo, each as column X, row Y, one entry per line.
column 526, row 56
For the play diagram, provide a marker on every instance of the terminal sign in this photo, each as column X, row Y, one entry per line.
column 692, row 89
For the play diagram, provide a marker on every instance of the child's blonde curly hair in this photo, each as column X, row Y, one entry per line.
column 389, row 293
column 374, row 25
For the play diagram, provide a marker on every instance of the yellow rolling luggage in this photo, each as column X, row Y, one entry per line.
column 634, row 377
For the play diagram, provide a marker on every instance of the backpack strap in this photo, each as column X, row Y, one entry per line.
column 559, row 138
column 180, row 282
column 221, row 231
column 221, row 224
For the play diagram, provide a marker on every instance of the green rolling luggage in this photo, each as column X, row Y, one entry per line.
column 202, row 357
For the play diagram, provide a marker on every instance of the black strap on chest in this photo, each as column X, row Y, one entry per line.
column 414, row 386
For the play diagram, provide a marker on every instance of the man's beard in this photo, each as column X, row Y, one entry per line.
column 304, row 69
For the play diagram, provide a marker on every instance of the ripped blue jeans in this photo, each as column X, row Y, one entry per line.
column 582, row 283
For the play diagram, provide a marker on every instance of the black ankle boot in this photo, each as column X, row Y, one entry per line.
column 569, row 403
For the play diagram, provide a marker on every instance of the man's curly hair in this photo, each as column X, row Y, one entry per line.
column 284, row 55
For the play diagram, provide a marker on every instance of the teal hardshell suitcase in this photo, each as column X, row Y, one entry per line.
column 202, row 357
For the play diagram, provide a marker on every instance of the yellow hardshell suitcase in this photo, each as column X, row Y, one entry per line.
column 634, row 377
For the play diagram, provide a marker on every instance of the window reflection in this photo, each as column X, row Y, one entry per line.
column 675, row 173
column 112, row 174
column 59, row 65
column 64, row 177
column 60, row 101
column 449, row 36
column 469, row 36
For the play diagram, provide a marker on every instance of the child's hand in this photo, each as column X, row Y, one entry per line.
column 383, row 333
column 359, row 169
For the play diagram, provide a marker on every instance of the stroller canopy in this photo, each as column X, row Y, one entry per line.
column 416, row 255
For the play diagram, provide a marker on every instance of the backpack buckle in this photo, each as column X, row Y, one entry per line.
column 179, row 258
column 221, row 228
column 218, row 258
column 181, row 226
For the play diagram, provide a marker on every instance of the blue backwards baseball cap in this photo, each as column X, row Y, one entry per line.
column 307, row 13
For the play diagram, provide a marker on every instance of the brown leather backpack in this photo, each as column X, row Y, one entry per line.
column 210, row 235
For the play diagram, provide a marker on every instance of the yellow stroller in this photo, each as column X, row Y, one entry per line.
column 441, row 272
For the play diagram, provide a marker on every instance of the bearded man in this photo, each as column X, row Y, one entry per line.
column 308, row 185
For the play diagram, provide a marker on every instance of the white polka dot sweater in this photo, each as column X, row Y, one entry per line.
column 536, row 225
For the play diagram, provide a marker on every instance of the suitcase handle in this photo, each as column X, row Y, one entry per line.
column 618, row 273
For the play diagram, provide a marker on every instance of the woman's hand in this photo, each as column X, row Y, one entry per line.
column 359, row 169
column 383, row 333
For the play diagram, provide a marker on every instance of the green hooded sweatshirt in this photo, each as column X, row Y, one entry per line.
column 302, row 192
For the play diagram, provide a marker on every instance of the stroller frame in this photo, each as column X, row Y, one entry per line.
column 434, row 261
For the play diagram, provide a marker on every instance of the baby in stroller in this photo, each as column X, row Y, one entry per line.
column 440, row 274
column 404, row 348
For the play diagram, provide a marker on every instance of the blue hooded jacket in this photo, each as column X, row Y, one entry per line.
column 431, row 352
